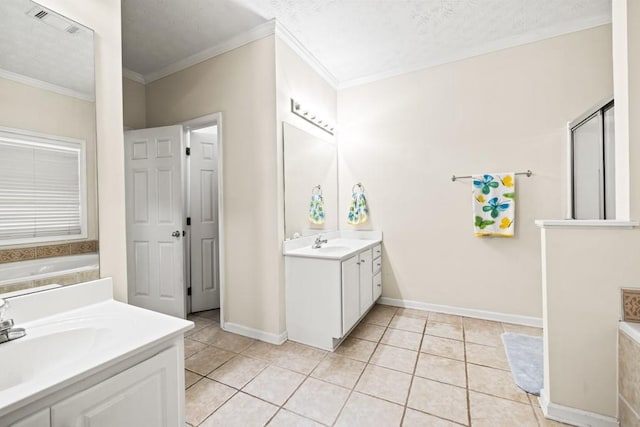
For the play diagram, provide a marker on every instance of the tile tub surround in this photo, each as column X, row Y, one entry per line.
column 391, row 371
column 631, row 305
column 63, row 280
column 48, row 251
column 629, row 374
column 78, row 265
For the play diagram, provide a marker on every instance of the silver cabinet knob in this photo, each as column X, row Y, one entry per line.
column 176, row 233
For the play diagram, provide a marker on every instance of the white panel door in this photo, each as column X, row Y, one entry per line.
column 145, row 395
column 205, row 276
column 155, row 219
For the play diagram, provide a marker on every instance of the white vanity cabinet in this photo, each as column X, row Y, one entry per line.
column 364, row 280
column 377, row 272
column 143, row 395
column 328, row 292
column 88, row 360
column 148, row 393
column 39, row 419
column 357, row 290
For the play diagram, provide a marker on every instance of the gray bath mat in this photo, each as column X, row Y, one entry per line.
column 525, row 359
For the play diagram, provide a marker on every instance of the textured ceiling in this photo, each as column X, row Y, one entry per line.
column 39, row 51
column 158, row 33
column 355, row 40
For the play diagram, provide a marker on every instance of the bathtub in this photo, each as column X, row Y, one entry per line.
column 629, row 374
column 632, row 329
column 47, row 269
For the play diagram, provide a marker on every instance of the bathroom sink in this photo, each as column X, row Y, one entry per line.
column 72, row 334
column 337, row 248
column 45, row 350
column 332, row 249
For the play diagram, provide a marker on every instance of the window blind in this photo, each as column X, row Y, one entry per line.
column 41, row 195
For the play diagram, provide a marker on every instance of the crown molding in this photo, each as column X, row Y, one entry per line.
column 274, row 27
column 263, row 30
column 256, row 33
column 506, row 43
column 46, row 86
column 132, row 75
column 291, row 41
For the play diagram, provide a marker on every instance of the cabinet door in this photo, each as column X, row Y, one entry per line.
column 144, row 395
column 350, row 293
column 39, row 419
column 366, row 289
column 377, row 286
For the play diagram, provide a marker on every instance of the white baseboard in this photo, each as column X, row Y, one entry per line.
column 255, row 333
column 468, row 312
column 573, row 416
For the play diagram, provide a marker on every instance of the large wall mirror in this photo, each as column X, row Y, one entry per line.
column 310, row 183
column 48, row 174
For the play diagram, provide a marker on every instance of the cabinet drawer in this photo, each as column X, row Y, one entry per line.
column 377, row 251
column 377, row 286
column 377, row 264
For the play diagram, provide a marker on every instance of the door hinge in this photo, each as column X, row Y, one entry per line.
column 188, row 150
column 188, row 220
column 188, row 292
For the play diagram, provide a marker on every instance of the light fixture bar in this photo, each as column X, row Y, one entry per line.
column 301, row 111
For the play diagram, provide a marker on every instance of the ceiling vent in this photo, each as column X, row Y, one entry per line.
column 53, row 19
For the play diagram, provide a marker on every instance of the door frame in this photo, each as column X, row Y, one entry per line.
column 200, row 122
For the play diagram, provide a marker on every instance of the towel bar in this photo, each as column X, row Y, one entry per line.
column 454, row 178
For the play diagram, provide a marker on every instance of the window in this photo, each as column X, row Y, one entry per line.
column 42, row 188
column 592, row 145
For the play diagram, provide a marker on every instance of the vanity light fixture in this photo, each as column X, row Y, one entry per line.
column 301, row 111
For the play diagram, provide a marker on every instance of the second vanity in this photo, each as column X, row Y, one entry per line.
column 330, row 289
column 89, row 360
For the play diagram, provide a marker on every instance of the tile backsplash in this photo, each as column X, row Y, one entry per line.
column 631, row 305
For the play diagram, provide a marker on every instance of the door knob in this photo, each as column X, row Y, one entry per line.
column 176, row 233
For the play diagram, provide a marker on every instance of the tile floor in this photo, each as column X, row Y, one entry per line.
column 398, row 367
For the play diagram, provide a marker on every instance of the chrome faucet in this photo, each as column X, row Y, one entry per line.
column 7, row 331
column 319, row 241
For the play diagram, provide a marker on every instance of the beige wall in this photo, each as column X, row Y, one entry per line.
column 134, row 104
column 585, row 268
column 584, row 271
column 104, row 18
column 296, row 79
column 39, row 110
column 241, row 85
column 404, row 137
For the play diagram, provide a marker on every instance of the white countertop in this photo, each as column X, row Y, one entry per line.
column 337, row 249
column 72, row 344
column 340, row 245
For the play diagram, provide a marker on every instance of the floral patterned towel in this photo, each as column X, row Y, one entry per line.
column 358, row 211
column 494, row 204
column 316, row 209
